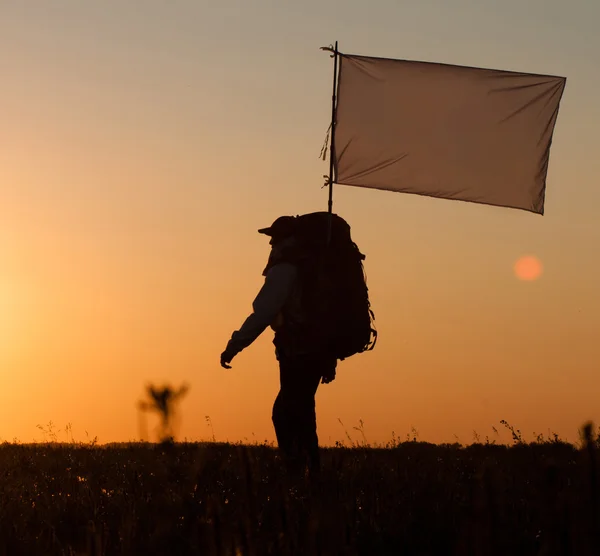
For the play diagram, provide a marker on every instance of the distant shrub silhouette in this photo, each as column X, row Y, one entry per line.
column 164, row 402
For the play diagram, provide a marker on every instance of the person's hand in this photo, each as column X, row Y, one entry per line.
column 226, row 358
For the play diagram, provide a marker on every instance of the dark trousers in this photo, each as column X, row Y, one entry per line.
column 294, row 414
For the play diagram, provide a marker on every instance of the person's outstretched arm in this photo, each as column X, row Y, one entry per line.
column 279, row 283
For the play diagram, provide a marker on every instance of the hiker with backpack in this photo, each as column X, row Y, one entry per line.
column 315, row 299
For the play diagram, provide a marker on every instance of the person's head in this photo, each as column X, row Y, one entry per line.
column 282, row 230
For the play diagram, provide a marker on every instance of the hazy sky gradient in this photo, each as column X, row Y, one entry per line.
column 143, row 143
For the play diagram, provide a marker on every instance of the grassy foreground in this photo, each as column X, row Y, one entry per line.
column 411, row 499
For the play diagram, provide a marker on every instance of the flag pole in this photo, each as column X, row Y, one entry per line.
column 335, row 54
column 332, row 140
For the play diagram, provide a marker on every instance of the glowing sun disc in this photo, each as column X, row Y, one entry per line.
column 528, row 268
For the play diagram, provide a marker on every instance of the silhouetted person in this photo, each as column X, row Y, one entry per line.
column 302, row 366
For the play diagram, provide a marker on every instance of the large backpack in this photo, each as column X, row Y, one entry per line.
column 335, row 295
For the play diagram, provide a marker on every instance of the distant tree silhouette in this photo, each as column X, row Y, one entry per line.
column 164, row 401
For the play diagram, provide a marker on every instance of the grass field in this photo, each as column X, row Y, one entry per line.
column 410, row 498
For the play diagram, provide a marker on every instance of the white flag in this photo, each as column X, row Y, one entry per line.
column 445, row 131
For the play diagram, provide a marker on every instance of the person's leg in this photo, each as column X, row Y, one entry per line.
column 287, row 410
column 307, row 424
column 282, row 421
column 306, row 416
column 294, row 414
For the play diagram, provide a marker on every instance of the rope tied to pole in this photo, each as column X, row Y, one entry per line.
column 323, row 154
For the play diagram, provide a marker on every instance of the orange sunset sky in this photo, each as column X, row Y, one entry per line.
column 142, row 144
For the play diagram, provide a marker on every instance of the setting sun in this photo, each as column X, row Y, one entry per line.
column 528, row 268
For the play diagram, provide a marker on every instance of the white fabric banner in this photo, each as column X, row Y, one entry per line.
column 445, row 131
